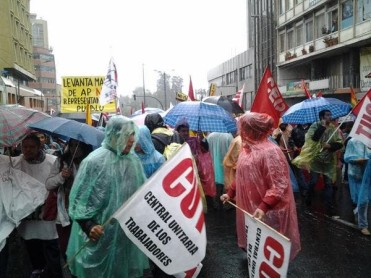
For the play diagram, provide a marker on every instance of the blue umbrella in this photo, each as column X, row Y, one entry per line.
column 202, row 116
column 307, row 110
column 71, row 129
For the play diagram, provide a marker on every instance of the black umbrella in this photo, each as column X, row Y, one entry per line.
column 225, row 102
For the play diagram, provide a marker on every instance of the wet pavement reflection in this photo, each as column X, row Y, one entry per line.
column 331, row 246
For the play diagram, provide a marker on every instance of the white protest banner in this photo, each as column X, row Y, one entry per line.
column 362, row 126
column 165, row 217
column 109, row 88
column 268, row 252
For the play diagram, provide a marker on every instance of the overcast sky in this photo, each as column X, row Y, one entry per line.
column 180, row 37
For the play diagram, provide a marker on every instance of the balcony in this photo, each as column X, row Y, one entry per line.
column 331, row 85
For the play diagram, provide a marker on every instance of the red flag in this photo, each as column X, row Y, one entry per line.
column 356, row 108
column 191, row 95
column 268, row 98
column 239, row 96
column 320, row 94
column 353, row 98
column 143, row 110
column 306, row 91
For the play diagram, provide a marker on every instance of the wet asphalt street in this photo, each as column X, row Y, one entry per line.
column 330, row 247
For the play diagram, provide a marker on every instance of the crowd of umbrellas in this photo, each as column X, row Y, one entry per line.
column 213, row 114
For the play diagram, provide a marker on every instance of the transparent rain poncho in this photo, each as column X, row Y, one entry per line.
column 218, row 145
column 105, row 180
column 354, row 151
column 313, row 158
column 263, row 180
column 150, row 158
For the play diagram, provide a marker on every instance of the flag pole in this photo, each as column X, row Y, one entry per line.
column 261, row 222
column 337, row 128
column 84, row 245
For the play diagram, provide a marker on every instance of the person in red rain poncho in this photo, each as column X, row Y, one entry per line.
column 262, row 186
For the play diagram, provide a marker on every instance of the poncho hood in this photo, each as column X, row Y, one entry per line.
column 255, row 127
column 117, row 134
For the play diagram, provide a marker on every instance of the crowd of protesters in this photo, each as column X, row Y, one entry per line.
column 259, row 168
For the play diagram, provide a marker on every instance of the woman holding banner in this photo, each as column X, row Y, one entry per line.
column 262, row 185
column 105, row 180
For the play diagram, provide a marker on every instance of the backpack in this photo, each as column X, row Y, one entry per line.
column 170, row 144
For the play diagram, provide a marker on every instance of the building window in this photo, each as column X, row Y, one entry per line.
column 332, row 18
column 363, row 10
column 299, row 35
column 243, row 73
column 298, row 1
column 282, row 6
column 290, row 4
column 290, row 39
column 231, row 77
column 320, row 25
column 282, row 42
column 347, row 14
column 309, row 31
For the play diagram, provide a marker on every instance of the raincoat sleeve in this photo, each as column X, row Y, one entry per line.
column 276, row 177
column 55, row 178
column 232, row 190
column 89, row 191
column 318, row 131
column 230, row 162
column 354, row 150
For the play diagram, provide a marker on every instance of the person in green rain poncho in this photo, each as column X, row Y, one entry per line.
column 105, row 180
column 318, row 156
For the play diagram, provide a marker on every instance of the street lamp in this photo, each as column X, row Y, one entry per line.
column 144, row 88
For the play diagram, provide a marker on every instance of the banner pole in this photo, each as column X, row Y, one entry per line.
column 83, row 246
column 261, row 222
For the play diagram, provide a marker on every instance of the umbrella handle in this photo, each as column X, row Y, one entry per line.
column 284, row 142
column 73, row 156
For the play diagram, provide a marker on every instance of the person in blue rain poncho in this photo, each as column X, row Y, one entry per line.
column 145, row 150
column 357, row 155
column 105, row 180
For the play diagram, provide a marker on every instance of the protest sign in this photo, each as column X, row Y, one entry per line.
column 268, row 252
column 79, row 91
column 165, row 217
column 362, row 126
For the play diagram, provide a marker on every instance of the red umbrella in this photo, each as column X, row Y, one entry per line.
column 13, row 123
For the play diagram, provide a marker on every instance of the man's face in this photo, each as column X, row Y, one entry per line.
column 283, row 127
column 327, row 117
column 184, row 133
column 30, row 149
column 129, row 144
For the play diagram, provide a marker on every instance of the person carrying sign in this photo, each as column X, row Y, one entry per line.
column 262, row 185
column 105, row 180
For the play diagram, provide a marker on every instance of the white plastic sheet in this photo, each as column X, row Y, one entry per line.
column 20, row 195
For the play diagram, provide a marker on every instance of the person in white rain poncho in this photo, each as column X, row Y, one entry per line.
column 105, row 180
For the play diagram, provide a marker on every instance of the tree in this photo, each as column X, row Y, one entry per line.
column 176, row 86
column 163, row 85
column 201, row 93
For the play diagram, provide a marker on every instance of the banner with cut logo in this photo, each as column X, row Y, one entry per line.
column 268, row 252
column 361, row 129
column 165, row 217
